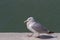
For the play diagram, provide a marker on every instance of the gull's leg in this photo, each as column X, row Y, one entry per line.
column 37, row 35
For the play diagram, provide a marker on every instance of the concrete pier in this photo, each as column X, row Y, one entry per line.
column 23, row 36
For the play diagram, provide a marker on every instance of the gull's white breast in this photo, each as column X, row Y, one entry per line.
column 30, row 25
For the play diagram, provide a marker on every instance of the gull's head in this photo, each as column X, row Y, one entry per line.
column 29, row 19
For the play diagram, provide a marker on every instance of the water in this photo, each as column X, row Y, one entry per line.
column 14, row 12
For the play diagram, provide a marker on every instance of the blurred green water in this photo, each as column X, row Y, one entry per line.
column 14, row 12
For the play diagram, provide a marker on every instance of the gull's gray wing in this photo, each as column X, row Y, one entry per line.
column 39, row 28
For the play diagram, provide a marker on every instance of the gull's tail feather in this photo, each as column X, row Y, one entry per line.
column 50, row 32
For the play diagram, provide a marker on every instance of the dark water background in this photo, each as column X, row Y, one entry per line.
column 14, row 12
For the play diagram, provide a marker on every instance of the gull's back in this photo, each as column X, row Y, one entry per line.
column 39, row 28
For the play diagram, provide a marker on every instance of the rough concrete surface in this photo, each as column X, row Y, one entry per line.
column 23, row 36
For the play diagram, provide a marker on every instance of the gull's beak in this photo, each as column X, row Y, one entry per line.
column 25, row 21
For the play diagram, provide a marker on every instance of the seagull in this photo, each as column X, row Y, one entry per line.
column 36, row 27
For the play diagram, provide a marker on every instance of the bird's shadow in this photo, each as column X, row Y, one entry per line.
column 45, row 37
